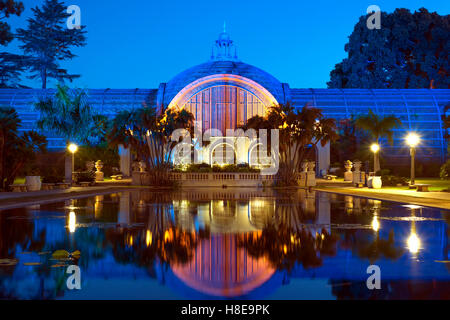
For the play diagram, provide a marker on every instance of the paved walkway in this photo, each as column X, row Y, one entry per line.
column 20, row 199
column 431, row 199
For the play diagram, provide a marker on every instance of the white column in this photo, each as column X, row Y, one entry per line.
column 323, row 157
column 68, row 168
column 125, row 160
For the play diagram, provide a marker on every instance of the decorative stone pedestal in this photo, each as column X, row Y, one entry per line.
column 358, row 176
column 311, row 174
column 348, row 174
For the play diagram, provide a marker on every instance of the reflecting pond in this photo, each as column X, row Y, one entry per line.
column 224, row 244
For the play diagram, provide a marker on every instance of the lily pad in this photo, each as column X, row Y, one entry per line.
column 8, row 262
column 31, row 263
column 60, row 255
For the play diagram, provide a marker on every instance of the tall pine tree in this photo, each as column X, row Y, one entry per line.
column 409, row 51
column 48, row 41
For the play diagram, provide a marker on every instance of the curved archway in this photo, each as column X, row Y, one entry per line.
column 224, row 155
column 223, row 101
column 222, row 79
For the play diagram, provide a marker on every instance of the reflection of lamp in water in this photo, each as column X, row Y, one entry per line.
column 148, row 238
column 413, row 241
column 72, row 222
column 375, row 223
column 98, row 206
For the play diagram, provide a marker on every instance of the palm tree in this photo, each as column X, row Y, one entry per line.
column 297, row 129
column 68, row 114
column 150, row 136
column 9, row 121
column 378, row 127
column 16, row 149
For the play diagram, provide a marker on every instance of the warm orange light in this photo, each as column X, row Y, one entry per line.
column 412, row 140
column 375, row 148
column 72, row 147
column 148, row 238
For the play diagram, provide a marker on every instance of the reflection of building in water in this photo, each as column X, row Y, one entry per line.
column 124, row 208
column 221, row 268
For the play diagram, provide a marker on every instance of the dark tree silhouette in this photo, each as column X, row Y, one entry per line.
column 410, row 50
column 8, row 8
column 47, row 41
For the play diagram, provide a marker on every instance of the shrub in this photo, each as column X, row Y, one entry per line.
column 391, row 180
column 445, row 171
column 52, row 179
column 86, row 176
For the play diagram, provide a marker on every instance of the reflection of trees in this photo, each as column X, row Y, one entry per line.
column 285, row 247
column 16, row 231
column 173, row 245
column 378, row 248
column 391, row 290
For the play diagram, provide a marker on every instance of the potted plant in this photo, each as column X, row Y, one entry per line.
column 33, row 181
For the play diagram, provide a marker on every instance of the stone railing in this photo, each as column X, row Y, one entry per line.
column 210, row 179
column 306, row 178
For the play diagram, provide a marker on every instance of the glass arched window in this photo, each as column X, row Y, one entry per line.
column 224, row 107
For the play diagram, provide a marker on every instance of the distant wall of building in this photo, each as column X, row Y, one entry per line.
column 420, row 110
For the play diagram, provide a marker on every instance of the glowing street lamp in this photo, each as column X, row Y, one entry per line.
column 73, row 148
column 375, row 148
column 412, row 140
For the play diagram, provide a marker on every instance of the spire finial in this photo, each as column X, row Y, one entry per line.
column 224, row 26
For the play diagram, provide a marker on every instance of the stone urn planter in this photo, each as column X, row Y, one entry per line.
column 142, row 166
column 374, row 182
column 99, row 175
column 33, row 183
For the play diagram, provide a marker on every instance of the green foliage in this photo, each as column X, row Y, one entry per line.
column 409, row 51
column 11, row 67
column 53, row 179
column 300, row 131
column 68, row 114
column 378, row 127
column 351, row 143
column 109, row 156
column 234, row 168
column 393, row 180
column 444, row 173
column 8, row 8
column 85, row 176
column 129, row 128
column 48, row 41
column 16, row 149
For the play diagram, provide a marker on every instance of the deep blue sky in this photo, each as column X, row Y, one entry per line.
column 141, row 43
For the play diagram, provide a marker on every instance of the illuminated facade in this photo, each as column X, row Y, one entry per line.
column 224, row 92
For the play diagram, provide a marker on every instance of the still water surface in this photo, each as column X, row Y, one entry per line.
column 224, row 244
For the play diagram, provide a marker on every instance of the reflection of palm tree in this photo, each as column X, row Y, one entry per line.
column 379, row 248
column 285, row 247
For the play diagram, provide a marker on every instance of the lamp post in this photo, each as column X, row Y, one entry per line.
column 375, row 148
column 412, row 140
column 73, row 148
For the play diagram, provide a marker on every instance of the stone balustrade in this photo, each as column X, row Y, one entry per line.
column 210, row 179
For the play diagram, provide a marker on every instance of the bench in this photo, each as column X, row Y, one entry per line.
column 117, row 177
column 422, row 187
column 18, row 187
column 359, row 184
column 84, row 184
column 330, row 177
column 62, row 185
